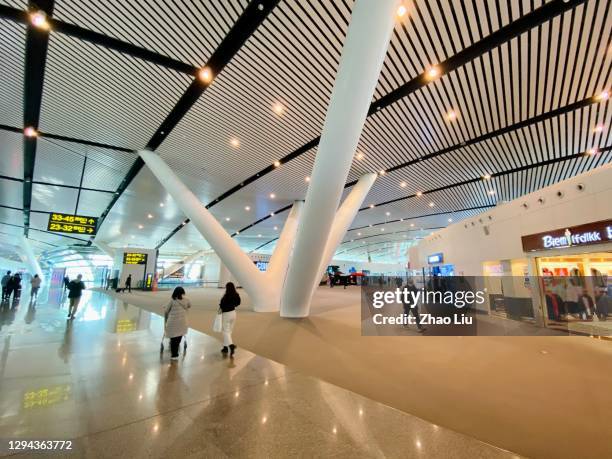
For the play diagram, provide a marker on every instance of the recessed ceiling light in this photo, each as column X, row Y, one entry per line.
column 271, row 214
column 30, row 132
column 360, row 156
column 358, row 234
column 403, row 184
column 412, row 224
column 382, row 172
column 39, row 20
column 451, row 115
column 272, row 195
column 259, row 235
column 307, row 179
column 371, row 206
column 401, row 219
column 247, row 208
column 278, row 108
column 161, row 204
column 234, row 142
column 598, row 128
column 486, row 177
column 382, row 229
column 276, row 228
column 387, row 213
column 419, row 194
column 227, row 219
column 491, row 192
column 150, row 216
column 140, row 227
column 277, row 163
column 450, row 220
column 205, row 75
column 431, row 204
column 603, row 95
column 433, row 72
column 593, row 151
column 401, row 11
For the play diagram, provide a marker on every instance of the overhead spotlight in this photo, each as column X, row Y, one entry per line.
column 382, row 229
column 419, row 194
column 401, row 11
column 450, row 220
column 401, row 219
column 382, row 172
column 149, row 216
column 140, row 227
column 307, row 178
column 259, row 235
column 276, row 228
column 278, row 108
column 271, row 214
column 205, row 75
column 431, row 204
column 603, row 95
column 39, row 20
column 237, row 233
column 491, row 192
column 593, row 151
column 598, row 128
column 358, row 234
column 371, row 206
column 277, row 163
column 235, row 142
column 387, row 213
column 451, row 115
column 161, row 204
column 227, row 219
column 403, row 184
column 360, row 156
column 272, row 195
column 486, row 177
column 247, row 208
column 433, row 72
column 30, row 132
column 412, row 225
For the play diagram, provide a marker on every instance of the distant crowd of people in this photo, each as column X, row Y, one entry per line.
column 11, row 286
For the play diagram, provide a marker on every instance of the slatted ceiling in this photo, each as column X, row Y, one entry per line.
column 57, row 164
column 53, row 198
column 12, row 46
column 11, row 154
column 9, row 217
column 93, row 203
column 105, row 169
column 11, row 194
column 8, row 230
column 95, row 94
column 185, row 30
column 55, row 239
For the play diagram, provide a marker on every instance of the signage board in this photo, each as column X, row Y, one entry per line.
column 574, row 236
column 72, row 224
column 134, row 258
column 435, row 258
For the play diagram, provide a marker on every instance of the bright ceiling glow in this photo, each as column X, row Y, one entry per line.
column 433, row 72
column 451, row 115
column 161, row 204
column 401, row 11
column 403, row 184
column 140, row 227
column 247, row 208
column 387, row 213
column 227, row 219
column 205, row 75
column 307, row 179
column 419, row 193
column 278, row 108
column 360, row 156
column 276, row 163
column 487, row 177
column 450, row 220
column 491, row 192
column 603, row 95
column 30, row 132
column 598, row 128
column 593, row 151
column 382, row 172
column 276, row 228
column 149, row 216
column 272, row 195
column 371, row 206
column 39, row 20
column 431, row 204
column 235, row 142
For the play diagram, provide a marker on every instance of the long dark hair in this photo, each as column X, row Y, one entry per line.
column 178, row 293
column 230, row 290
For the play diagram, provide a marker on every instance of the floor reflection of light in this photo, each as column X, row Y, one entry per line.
column 418, row 444
column 266, row 383
column 237, row 394
column 155, row 427
column 334, row 430
column 264, row 419
column 140, row 397
column 131, row 376
column 360, row 412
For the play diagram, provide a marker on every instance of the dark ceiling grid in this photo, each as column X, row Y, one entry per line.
column 37, row 42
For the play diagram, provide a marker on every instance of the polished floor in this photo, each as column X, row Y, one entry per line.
column 538, row 396
column 101, row 382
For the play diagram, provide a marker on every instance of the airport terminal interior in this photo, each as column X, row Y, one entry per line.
column 306, row 228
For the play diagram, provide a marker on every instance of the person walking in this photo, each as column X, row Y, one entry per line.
column 175, row 316
column 128, row 284
column 16, row 287
column 66, row 283
column 411, row 307
column 5, row 281
column 35, row 284
column 75, row 290
column 229, row 302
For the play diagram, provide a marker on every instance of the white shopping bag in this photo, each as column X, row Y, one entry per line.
column 218, row 323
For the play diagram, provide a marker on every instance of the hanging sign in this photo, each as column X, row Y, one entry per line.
column 72, row 224
column 133, row 258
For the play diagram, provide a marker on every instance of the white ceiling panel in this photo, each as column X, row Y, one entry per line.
column 11, row 193
column 11, row 154
column 12, row 46
column 53, row 198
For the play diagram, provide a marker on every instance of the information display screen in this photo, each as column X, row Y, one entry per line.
column 134, row 258
column 72, row 224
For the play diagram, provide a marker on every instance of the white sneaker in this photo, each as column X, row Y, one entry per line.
column 173, row 358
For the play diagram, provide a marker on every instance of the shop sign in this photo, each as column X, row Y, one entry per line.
column 72, row 224
column 435, row 258
column 130, row 258
column 587, row 234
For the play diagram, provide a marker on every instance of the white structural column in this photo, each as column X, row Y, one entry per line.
column 107, row 249
column 344, row 217
column 277, row 268
column 226, row 248
column 29, row 258
column 362, row 58
column 184, row 262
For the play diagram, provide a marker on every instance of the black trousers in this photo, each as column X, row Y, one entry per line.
column 415, row 312
column 174, row 345
column 4, row 289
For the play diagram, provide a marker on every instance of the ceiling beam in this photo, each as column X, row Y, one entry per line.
column 250, row 19
column 37, row 42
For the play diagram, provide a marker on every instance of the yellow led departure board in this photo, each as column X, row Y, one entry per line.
column 72, row 224
column 130, row 258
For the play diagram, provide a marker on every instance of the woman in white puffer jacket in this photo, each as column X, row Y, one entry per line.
column 175, row 314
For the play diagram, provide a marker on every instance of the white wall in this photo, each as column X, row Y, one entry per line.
column 465, row 245
column 138, row 272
